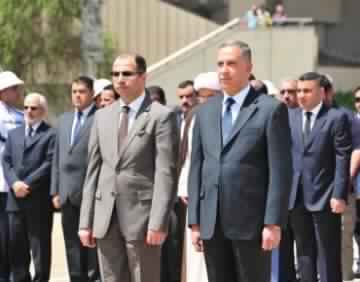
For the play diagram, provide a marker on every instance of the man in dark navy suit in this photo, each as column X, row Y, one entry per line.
column 27, row 168
column 240, row 174
column 321, row 148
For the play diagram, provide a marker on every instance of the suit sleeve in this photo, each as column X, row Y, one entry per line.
column 166, row 144
column 280, row 166
column 195, row 175
column 91, row 179
column 342, row 145
column 45, row 169
column 54, row 189
column 7, row 162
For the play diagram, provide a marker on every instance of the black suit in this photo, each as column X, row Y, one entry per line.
column 68, row 176
column 321, row 172
column 236, row 188
column 28, row 159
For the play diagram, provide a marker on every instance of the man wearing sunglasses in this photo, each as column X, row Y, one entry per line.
column 130, row 185
column 27, row 168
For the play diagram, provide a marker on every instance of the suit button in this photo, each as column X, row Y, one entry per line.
column 113, row 194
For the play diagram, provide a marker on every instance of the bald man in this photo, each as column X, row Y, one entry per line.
column 27, row 168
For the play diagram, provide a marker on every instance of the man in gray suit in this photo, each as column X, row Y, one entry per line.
column 130, row 185
column 68, row 175
column 240, row 174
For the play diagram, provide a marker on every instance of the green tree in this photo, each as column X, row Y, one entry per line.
column 38, row 32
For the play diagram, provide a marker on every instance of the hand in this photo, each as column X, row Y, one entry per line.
column 155, row 238
column 56, row 202
column 87, row 238
column 337, row 205
column 271, row 237
column 21, row 189
column 195, row 238
column 184, row 200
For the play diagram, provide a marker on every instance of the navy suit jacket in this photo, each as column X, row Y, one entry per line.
column 321, row 165
column 246, row 182
column 29, row 162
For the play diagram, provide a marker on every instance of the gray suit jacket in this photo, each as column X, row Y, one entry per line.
column 70, row 161
column 141, row 177
column 245, row 183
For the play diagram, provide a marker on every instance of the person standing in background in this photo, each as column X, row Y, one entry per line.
column 10, row 118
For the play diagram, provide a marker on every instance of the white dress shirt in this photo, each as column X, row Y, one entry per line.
column 35, row 126
column 83, row 118
column 134, row 108
column 239, row 101
column 315, row 112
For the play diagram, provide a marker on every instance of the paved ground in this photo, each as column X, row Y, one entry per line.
column 59, row 267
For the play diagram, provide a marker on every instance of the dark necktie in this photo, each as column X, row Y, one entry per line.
column 124, row 125
column 30, row 132
column 227, row 121
column 307, row 128
column 77, row 127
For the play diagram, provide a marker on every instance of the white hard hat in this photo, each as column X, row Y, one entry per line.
column 208, row 80
column 9, row 79
column 100, row 85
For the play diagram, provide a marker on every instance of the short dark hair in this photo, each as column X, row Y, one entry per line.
column 311, row 76
column 356, row 89
column 252, row 77
column 157, row 90
column 185, row 84
column 87, row 81
column 326, row 83
column 111, row 87
column 140, row 63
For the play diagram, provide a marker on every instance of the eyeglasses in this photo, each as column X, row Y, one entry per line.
column 357, row 99
column 290, row 91
column 32, row 108
column 124, row 74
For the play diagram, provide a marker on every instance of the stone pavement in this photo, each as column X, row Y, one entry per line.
column 59, row 267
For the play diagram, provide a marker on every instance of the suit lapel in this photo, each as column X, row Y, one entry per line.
column 39, row 132
column 215, row 119
column 248, row 108
column 319, row 122
column 298, row 128
column 140, row 121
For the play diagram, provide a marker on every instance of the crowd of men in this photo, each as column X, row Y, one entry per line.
column 220, row 188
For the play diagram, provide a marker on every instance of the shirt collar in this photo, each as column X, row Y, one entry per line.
column 239, row 97
column 35, row 126
column 86, row 111
column 136, row 104
column 315, row 111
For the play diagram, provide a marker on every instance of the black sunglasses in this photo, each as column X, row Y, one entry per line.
column 32, row 108
column 357, row 99
column 124, row 73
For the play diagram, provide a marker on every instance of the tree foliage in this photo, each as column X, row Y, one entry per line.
column 38, row 32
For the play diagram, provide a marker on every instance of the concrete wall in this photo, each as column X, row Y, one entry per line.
column 277, row 53
column 345, row 78
column 150, row 27
column 320, row 10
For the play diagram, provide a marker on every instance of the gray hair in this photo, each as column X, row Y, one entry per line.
column 42, row 101
column 244, row 47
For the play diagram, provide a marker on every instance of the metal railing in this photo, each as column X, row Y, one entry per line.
column 197, row 43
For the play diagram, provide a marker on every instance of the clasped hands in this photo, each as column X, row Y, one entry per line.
column 21, row 189
column 271, row 236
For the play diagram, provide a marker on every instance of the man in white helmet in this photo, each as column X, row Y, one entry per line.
column 10, row 117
